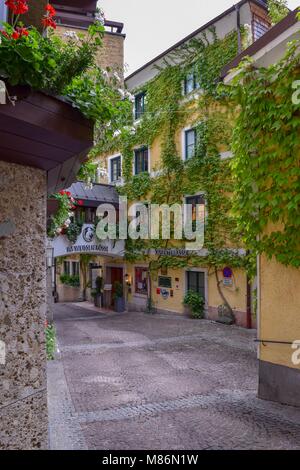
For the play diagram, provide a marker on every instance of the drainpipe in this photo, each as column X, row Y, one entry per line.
column 249, row 300
column 249, row 316
column 238, row 27
column 258, row 311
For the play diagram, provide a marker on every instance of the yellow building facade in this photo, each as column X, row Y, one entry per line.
column 167, row 286
column 278, row 292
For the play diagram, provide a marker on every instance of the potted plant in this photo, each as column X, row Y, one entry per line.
column 97, row 292
column 195, row 303
column 118, row 297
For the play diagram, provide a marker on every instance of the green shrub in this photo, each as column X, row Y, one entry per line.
column 50, row 342
column 196, row 303
column 118, row 290
column 68, row 280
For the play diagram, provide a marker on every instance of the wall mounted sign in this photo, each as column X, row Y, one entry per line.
column 87, row 248
column 173, row 252
column 88, row 234
column 227, row 272
column 164, row 281
column 164, row 293
column 227, row 282
column 87, row 242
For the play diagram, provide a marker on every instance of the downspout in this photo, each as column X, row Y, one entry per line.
column 238, row 27
column 258, row 309
column 249, row 313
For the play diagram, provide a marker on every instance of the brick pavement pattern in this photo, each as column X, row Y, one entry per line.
column 136, row 381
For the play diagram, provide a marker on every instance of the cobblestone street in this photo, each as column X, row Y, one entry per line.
column 134, row 381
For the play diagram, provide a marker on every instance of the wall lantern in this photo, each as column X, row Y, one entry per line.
column 128, row 279
column 2, row 92
column 50, row 255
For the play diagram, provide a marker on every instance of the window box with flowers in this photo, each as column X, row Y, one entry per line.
column 43, row 61
column 63, row 222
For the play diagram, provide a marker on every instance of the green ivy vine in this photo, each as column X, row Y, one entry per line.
column 167, row 112
column 266, row 166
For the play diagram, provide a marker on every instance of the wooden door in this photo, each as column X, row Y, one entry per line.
column 116, row 276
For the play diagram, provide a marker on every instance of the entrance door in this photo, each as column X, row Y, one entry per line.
column 116, row 276
column 196, row 282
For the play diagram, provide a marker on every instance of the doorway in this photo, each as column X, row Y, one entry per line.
column 196, row 281
column 113, row 274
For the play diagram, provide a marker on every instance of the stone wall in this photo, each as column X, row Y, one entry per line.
column 111, row 54
column 23, row 402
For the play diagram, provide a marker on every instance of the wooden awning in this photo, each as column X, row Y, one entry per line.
column 45, row 132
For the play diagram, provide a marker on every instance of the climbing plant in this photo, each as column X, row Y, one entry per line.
column 266, row 164
column 167, row 111
column 278, row 9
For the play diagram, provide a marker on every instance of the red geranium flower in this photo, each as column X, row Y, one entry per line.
column 15, row 35
column 18, row 7
column 23, row 31
column 51, row 10
column 48, row 22
column 80, row 202
column 68, row 193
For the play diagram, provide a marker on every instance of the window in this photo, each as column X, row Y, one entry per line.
column 196, row 282
column 71, row 268
column 139, row 105
column 140, row 160
column 142, row 212
column 80, row 214
column 75, row 268
column 67, row 267
column 190, row 83
column 190, row 143
column 90, row 215
column 259, row 27
column 141, row 282
column 115, row 169
column 198, row 208
column 85, row 215
column 3, row 13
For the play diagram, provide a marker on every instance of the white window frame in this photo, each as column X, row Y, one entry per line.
column 136, row 294
column 149, row 159
column 70, row 263
column 111, row 157
column 186, row 196
column 135, row 119
column 199, row 270
column 183, row 134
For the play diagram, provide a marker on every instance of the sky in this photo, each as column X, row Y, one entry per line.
column 151, row 26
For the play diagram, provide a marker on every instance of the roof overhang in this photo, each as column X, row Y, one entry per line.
column 268, row 49
column 44, row 132
column 149, row 68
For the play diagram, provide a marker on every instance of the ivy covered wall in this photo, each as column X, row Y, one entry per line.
column 167, row 113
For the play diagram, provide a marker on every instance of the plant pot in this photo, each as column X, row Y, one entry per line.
column 187, row 311
column 98, row 300
column 119, row 305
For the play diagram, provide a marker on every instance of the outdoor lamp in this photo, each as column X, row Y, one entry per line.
column 127, row 279
column 49, row 255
